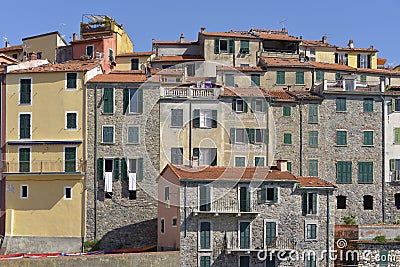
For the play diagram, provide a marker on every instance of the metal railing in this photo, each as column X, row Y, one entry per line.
column 225, row 205
column 43, row 166
column 188, row 92
column 232, row 242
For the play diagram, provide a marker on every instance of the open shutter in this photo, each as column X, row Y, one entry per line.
column 263, row 195
column 251, row 135
column 393, row 105
column 369, row 61
column 139, row 170
column 314, row 203
column 216, row 46
column 232, row 135
column 196, row 118
column 358, row 61
column 392, row 165
column 253, row 105
column 304, row 204
column 214, row 156
column 124, row 169
column 100, row 169
column 233, row 104
column 245, row 108
column 126, row 100
column 116, row 169
column 231, row 46
column 336, row 58
column 266, row 136
column 214, row 122
column 275, row 194
column 140, row 100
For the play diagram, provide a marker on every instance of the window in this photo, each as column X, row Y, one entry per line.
column 244, row 261
column 162, row 226
column 67, row 192
column 133, row 100
column 222, row 46
column 24, row 191
column 312, row 113
column 311, row 231
column 384, row 258
column 280, row 77
column 90, row 51
column 205, row 261
column 397, row 200
column 205, row 235
column 206, row 156
column 368, row 202
column 108, row 134
column 240, row 162
column 24, row 157
column 286, row 111
column 313, row 138
column 368, row 105
column 15, row 56
column 312, row 167
column 338, row 76
column 365, row 172
column 70, row 159
column 299, row 77
column 239, row 105
column 136, row 166
column 363, row 61
column 259, row 161
column 396, row 136
column 363, row 78
column 309, row 203
column 244, row 47
column 287, row 138
column 110, row 55
column 341, row 202
column 368, row 138
column 72, row 78
column 255, row 80
column 133, row 135
column 229, row 80
column 341, row 104
column 244, row 235
column 204, row 198
column 341, row 138
column 108, row 100
column 238, row 135
column 177, row 155
column 72, row 120
column 174, row 221
column 24, row 126
column 191, row 70
column 177, row 117
column 320, row 76
column 205, row 118
column 394, row 169
column 244, row 194
column 311, row 261
column 134, row 64
column 343, row 171
column 166, row 197
column 267, row 194
column 258, row 105
column 341, row 58
column 261, row 135
column 270, row 233
column 289, row 166
column 25, row 91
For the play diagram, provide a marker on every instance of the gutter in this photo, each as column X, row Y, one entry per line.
column 383, row 160
column 95, row 164
column 327, row 229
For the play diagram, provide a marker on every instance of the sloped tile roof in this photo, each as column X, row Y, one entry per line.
column 74, row 65
column 120, row 77
column 312, row 181
column 316, row 43
column 178, row 58
column 11, row 48
column 135, row 54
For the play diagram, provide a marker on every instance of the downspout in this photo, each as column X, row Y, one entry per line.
column 327, row 228
column 185, row 207
column 383, row 160
column 84, row 162
column 190, row 135
column 95, row 163
column 301, row 137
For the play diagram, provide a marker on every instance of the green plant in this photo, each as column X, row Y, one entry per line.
column 380, row 238
column 349, row 220
column 91, row 245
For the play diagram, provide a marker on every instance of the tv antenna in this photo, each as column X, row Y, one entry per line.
column 282, row 22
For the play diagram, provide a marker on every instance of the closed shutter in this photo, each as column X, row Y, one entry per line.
column 140, row 100
column 124, row 169
column 125, row 100
column 205, row 238
column 216, row 46
column 344, row 171
column 299, row 77
column 229, row 80
column 116, row 169
column 205, row 261
column 70, row 159
column 139, row 170
column 244, row 199
column 314, row 203
column 100, row 174
column 231, row 46
column 270, row 232
column 313, row 113
column 280, row 77
column 341, row 138
column 251, row 133
column 365, row 172
column 232, row 135
column 304, row 204
column 255, row 79
column 287, row 138
column 25, row 91
column 133, row 135
column 338, row 76
column 275, row 194
column 397, row 135
column 320, row 76
column 205, row 198
column 24, row 159
column 71, row 121
column 233, row 104
column 196, row 118
column 244, row 235
column 259, row 161
column 244, row 46
column 214, row 122
column 368, row 138
column 286, row 111
column 245, row 106
column 25, row 126
column 108, row 100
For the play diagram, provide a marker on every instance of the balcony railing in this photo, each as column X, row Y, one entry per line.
column 188, row 92
column 395, row 176
column 232, row 243
column 229, row 206
column 44, row 166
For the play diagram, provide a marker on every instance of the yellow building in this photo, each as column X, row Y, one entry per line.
column 45, row 160
column 44, row 45
column 133, row 61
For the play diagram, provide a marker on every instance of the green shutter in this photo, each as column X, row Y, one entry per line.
column 263, row 195
column 320, row 76
column 338, row 76
column 244, row 199
column 312, row 113
column 368, row 105
column 240, row 162
column 343, row 170
column 24, row 159
column 25, row 126
column 205, row 239
column 313, row 138
column 341, row 138
column 289, row 166
column 365, row 172
column 384, row 258
column 312, row 167
column 108, row 100
column 116, row 169
column 255, row 79
column 244, row 235
column 392, row 164
column 233, row 104
column 196, row 118
column 244, row 46
column 368, row 138
column 287, row 138
column 140, row 100
column 232, row 135
column 231, row 46
column 286, row 111
column 245, row 106
column 100, row 163
column 397, row 135
column 216, row 46
column 229, row 80
column 125, row 100
column 70, row 159
column 314, row 203
column 124, row 169
column 259, row 161
column 25, row 91
column 214, row 122
column 275, row 194
column 280, row 77
column 304, row 203
column 299, row 77
column 251, row 133
column 139, row 170
column 196, row 152
column 341, row 104
column 270, row 234
column 393, row 105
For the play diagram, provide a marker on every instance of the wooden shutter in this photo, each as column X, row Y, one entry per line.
column 216, row 46
column 255, row 79
column 314, row 203
column 24, row 159
column 100, row 175
column 125, row 100
column 234, row 104
column 275, row 194
column 245, row 108
column 124, row 169
column 368, row 61
column 232, row 135
column 25, row 91
column 231, row 49
column 116, row 170
column 244, row 235
column 358, row 61
column 244, row 199
column 25, row 126
column 140, row 100
column 251, row 135
column 304, row 204
column 196, row 118
column 205, row 239
column 396, row 135
column 139, row 169
column 270, row 232
column 108, row 100
column 70, row 159
column 266, row 136
column 214, row 122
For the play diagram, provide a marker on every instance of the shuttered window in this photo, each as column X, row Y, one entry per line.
column 341, row 138
column 205, row 261
column 365, row 172
column 320, row 76
column 255, row 79
column 72, row 120
column 270, row 232
column 311, row 231
column 244, row 235
column 133, row 135
column 108, row 101
column 280, row 77
column 229, row 80
column 205, row 198
column 312, row 113
column 177, row 117
column 259, row 161
column 397, row 136
column 341, row 104
column 313, row 138
column 299, row 77
column 286, row 110
column 244, row 47
column 287, row 138
column 72, row 80
column 343, row 171
column 368, row 138
column 25, row 126
column 205, row 235
column 312, row 167
column 368, row 105
column 24, row 158
column 240, row 161
column 70, row 159
column 25, row 91
column 177, row 155
column 108, row 134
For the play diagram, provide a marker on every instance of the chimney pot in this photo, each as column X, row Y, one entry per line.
column 282, row 165
column 324, row 39
column 371, row 47
column 202, row 29
column 351, row 43
column 182, row 38
column 74, row 36
column 7, row 44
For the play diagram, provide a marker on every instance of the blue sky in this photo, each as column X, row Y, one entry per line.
column 367, row 22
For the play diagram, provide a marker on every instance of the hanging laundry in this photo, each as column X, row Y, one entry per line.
column 108, row 182
column 132, row 182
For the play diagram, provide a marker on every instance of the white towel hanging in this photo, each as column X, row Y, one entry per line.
column 132, row 182
column 108, row 182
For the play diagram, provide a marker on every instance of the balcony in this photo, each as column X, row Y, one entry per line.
column 394, row 176
column 232, row 244
column 229, row 206
column 188, row 92
column 44, row 166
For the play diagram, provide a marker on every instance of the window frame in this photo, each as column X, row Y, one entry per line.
column 19, row 125
column 287, row 141
column 342, row 201
column 30, row 158
column 138, row 63
column 66, row 82
column 86, row 51
column 102, row 134
column 372, row 132
column 178, row 122
column 227, row 46
column 76, row 120
column 241, row 158
column 308, row 237
column 138, row 134
column 341, row 131
column 210, row 248
column 76, row 157
column 31, row 92
column 65, row 192
column 21, row 191
column 341, row 104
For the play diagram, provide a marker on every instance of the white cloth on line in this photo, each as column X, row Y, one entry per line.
column 108, row 181
column 132, row 182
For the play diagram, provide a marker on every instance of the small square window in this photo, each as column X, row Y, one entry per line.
column 133, row 135
column 341, row 202
column 341, row 104
column 341, row 138
column 67, row 192
column 368, row 138
column 72, row 120
column 72, row 80
column 287, row 138
column 368, row 105
column 108, row 134
column 24, row 191
column 286, row 111
column 311, row 231
column 174, row 221
column 368, row 202
column 240, row 161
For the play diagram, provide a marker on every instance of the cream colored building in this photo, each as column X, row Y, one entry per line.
column 43, row 45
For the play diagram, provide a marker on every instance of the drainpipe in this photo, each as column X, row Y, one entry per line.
column 301, row 137
column 95, row 163
column 327, row 228
column 190, row 135
column 185, row 207
column 383, row 159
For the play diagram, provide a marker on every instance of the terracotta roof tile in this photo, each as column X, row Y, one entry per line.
column 305, row 95
column 285, row 62
column 312, row 181
column 381, row 61
column 331, row 66
column 175, row 42
column 280, row 37
column 281, row 95
column 249, row 92
column 74, row 65
column 371, row 49
column 316, row 43
column 379, row 71
column 211, row 173
column 237, row 34
column 11, row 48
column 135, row 54
column 178, row 58
column 120, row 77
column 241, row 68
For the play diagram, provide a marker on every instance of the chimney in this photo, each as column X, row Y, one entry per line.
column 382, row 86
column 74, row 36
column 282, row 165
column 371, row 47
column 182, row 38
column 32, row 56
column 351, row 43
column 202, row 29
column 324, row 37
column 7, row 44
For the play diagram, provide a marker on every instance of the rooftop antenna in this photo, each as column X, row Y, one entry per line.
column 61, row 27
column 283, row 23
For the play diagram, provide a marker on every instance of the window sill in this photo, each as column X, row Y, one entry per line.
column 315, row 123
column 130, row 144
column 313, row 146
column 176, row 127
column 311, row 240
column 341, row 145
column 107, row 143
column 133, row 113
column 341, row 111
column 365, row 182
column 71, row 129
column 205, row 250
column 71, row 89
column 368, row 145
column 286, row 144
column 107, row 113
column 344, row 182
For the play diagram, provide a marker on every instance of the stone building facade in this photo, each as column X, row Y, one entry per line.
column 122, row 139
